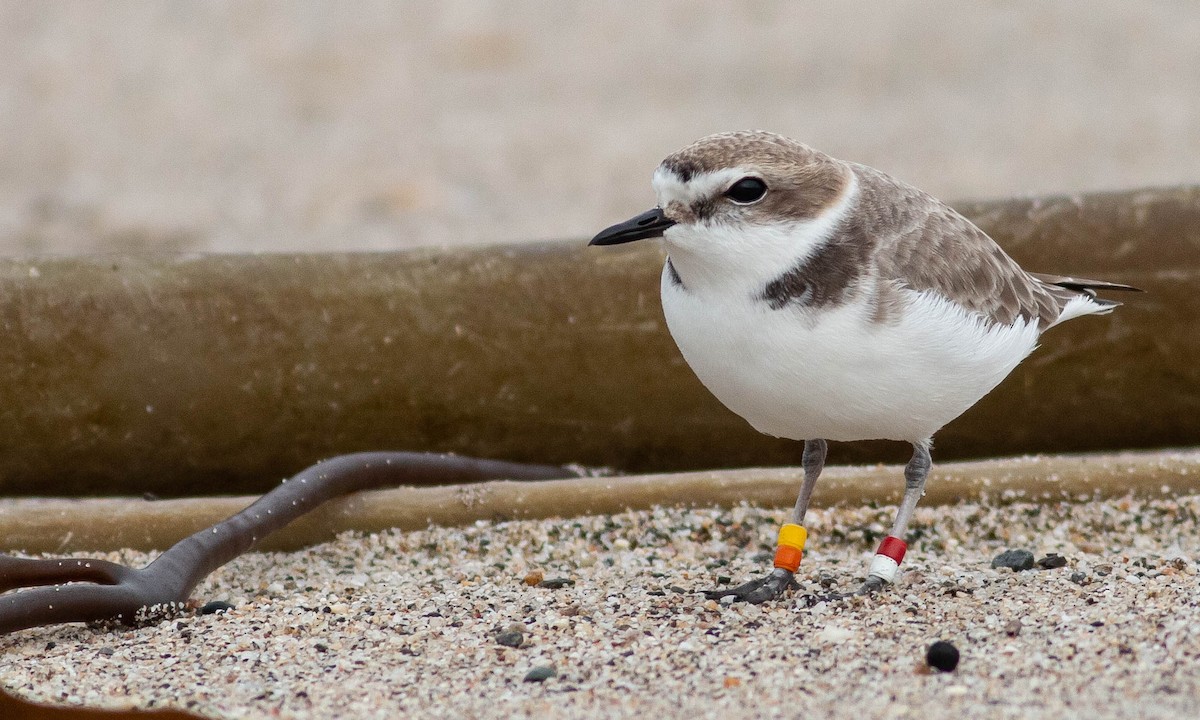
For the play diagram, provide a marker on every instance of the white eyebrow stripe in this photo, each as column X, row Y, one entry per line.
column 669, row 188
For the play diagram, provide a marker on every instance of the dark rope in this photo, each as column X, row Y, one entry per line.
column 71, row 590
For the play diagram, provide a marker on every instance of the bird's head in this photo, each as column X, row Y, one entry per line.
column 740, row 199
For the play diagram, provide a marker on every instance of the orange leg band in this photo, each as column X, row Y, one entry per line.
column 788, row 558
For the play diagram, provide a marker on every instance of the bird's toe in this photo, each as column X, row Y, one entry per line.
column 757, row 591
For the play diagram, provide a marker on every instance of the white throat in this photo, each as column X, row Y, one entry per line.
column 736, row 258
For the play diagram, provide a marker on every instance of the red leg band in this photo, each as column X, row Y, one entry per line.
column 892, row 547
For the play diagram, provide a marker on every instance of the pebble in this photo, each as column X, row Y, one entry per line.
column 942, row 655
column 835, row 634
column 1018, row 560
column 541, row 673
column 555, row 583
column 1052, row 561
column 215, row 606
column 512, row 637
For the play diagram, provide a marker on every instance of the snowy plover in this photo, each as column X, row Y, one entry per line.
column 824, row 300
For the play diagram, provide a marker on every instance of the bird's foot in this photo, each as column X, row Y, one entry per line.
column 758, row 591
column 870, row 586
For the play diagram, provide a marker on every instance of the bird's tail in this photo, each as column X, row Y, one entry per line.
column 1083, row 285
column 1085, row 302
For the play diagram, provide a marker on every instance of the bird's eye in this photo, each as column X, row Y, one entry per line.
column 747, row 190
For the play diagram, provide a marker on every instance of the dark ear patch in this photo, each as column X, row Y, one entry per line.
column 703, row 210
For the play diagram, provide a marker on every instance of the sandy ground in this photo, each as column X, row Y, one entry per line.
column 409, row 624
column 268, row 126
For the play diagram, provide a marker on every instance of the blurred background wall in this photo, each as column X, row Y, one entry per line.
column 237, row 126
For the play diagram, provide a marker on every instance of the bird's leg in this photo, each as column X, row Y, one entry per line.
column 792, row 535
column 813, row 463
column 891, row 549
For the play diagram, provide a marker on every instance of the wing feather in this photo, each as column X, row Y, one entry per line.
column 925, row 245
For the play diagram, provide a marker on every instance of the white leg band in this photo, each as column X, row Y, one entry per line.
column 884, row 568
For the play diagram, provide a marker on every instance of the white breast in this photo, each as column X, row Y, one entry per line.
column 835, row 374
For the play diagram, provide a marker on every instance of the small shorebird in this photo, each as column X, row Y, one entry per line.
column 825, row 300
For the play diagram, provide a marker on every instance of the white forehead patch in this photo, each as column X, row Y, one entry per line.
column 669, row 188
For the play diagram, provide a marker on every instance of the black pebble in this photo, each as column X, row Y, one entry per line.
column 1016, row 559
column 107, row 651
column 556, row 583
column 511, row 638
column 215, row 606
column 942, row 656
column 1052, row 561
column 540, row 673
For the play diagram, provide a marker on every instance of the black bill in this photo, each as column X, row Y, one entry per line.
column 647, row 225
